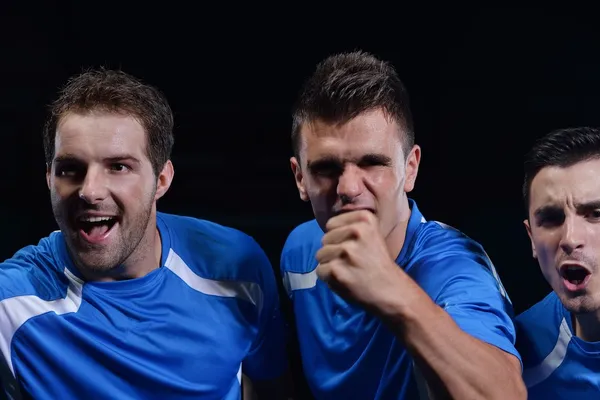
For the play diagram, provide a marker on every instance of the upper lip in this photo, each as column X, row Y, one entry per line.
column 570, row 263
column 91, row 214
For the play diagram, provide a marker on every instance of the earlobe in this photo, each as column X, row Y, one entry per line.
column 164, row 180
column 528, row 229
column 412, row 168
column 299, row 178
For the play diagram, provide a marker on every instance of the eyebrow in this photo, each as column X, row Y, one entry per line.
column 588, row 205
column 68, row 157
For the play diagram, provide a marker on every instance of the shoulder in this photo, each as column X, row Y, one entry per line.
column 539, row 329
column 436, row 246
column 215, row 251
column 34, row 270
column 441, row 255
column 300, row 247
column 438, row 239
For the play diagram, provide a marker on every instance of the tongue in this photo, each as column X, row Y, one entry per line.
column 96, row 232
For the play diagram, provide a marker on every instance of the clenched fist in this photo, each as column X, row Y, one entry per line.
column 354, row 260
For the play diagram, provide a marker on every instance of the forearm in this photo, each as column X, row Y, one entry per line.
column 454, row 363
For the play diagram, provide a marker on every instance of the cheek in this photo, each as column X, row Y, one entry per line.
column 61, row 191
column 546, row 253
column 385, row 183
column 131, row 187
column 320, row 189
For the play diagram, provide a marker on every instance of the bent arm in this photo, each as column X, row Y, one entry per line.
column 454, row 363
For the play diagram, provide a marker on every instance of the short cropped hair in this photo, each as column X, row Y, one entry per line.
column 560, row 148
column 347, row 84
column 115, row 91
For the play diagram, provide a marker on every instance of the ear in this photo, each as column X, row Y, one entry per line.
column 412, row 168
column 528, row 228
column 48, row 174
column 164, row 179
column 299, row 177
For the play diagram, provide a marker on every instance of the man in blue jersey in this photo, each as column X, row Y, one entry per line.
column 559, row 337
column 387, row 305
column 125, row 302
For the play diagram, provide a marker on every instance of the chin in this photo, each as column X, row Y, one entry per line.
column 584, row 303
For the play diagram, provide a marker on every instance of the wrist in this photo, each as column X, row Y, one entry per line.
column 394, row 300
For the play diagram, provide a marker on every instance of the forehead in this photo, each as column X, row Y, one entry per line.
column 578, row 183
column 369, row 132
column 99, row 133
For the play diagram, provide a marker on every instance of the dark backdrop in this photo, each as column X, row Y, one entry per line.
column 484, row 83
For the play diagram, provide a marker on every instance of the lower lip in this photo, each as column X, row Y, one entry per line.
column 576, row 287
column 97, row 240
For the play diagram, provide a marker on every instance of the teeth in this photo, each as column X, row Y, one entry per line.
column 96, row 219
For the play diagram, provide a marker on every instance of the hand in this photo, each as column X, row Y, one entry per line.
column 354, row 260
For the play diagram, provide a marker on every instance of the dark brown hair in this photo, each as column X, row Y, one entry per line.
column 115, row 91
column 347, row 84
column 560, row 148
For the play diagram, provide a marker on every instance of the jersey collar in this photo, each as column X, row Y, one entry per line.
column 414, row 222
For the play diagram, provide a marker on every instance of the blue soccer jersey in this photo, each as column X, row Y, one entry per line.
column 556, row 363
column 187, row 330
column 349, row 354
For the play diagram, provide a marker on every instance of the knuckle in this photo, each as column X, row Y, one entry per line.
column 345, row 250
column 355, row 231
column 365, row 215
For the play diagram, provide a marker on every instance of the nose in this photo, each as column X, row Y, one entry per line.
column 573, row 234
column 350, row 184
column 94, row 187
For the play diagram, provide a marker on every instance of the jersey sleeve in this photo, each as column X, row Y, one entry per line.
column 475, row 299
column 461, row 279
column 268, row 357
column 29, row 272
column 26, row 273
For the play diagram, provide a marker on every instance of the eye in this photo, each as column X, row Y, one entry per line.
column 118, row 167
column 327, row 169
column 68, row 170
column 594, row 214
column 551, row 218
column 66, row 173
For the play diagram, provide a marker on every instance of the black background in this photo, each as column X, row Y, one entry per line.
column 484, row 84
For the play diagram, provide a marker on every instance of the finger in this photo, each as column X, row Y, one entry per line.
column 328, row 272
column 330, row 252
column 324, row 272
column 341, row 234
column 349, row 218
column 332, row 274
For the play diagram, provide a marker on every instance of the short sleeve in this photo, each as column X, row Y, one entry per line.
column 267, row 358
column 474, row 297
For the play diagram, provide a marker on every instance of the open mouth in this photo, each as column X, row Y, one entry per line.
column 95, row 229
column 574, row 276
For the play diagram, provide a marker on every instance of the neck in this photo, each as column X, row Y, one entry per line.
column 395, row 239
column 587, row 326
